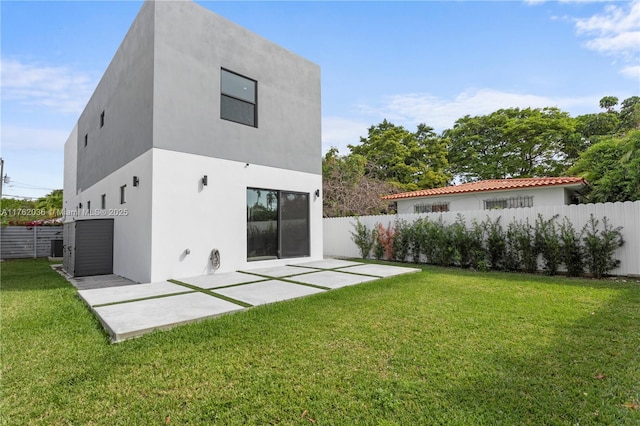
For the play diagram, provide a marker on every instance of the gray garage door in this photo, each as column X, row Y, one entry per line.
column 94, row 247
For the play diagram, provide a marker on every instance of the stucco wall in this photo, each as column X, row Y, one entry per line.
column 188, row 215
column 161, row 97
column 191, row 45
column 125, row 94
column 552, row 196
column 132, row 220
column 69, row 199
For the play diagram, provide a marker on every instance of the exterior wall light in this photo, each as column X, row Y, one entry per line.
column 205, row 180
column 136, row 181
column 317, row 193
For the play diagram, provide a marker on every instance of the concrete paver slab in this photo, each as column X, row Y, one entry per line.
column 125, row 316
column 267, row 292
column 332, row 279
column 329, row 263
column 280, row 271
column 126, row 320
column 380, row 270
column 101, row 296
column 220, row 280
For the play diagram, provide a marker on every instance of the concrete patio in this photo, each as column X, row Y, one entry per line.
column 132, row 310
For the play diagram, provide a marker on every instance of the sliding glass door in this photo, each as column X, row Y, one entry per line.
column 294, row 224
column 277, row 224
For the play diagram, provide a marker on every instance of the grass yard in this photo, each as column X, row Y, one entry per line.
column 443, row 346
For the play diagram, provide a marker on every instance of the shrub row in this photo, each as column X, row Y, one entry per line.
column 487, row 245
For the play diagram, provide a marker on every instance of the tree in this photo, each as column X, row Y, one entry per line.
column 347, row 190
column 21, row 212
column 594, row 127
column 601, row 124
column 612, row 168
column 51, row 203
column 431, row 158
column 608, row 102
column 512, row 143
column 630, row 113
column 408, row 161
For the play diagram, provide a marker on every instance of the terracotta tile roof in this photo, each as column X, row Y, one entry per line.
column 491, row 185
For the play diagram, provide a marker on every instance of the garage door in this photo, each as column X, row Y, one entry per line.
column 94, row 247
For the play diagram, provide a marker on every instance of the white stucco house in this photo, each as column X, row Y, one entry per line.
column 491, row 194
column 198, row 152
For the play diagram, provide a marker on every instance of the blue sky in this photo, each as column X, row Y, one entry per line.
column 409, row 62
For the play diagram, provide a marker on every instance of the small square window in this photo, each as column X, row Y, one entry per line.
column 431, row 208
column 86, row 139
column 508, row 203
column 102, row 119
column 238, row 98
column 122, row 194
column 103, row 201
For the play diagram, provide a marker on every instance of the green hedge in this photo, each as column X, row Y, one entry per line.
column 521, row 246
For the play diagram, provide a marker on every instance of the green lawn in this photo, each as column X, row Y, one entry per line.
column 442, row 346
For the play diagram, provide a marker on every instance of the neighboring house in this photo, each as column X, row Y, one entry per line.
column 492, row 194
column 199, row 151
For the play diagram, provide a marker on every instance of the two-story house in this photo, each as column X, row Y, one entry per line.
column 199, row 151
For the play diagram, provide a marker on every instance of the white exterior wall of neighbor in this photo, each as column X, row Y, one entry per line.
column 202, row 218
column 551, row 196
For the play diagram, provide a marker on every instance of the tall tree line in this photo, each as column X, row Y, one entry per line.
column 603, row 147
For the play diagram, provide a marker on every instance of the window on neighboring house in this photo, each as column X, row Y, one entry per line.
column 103, row 201
column 122, row 194
column 277, row 224
column 86, row 139
column 238, row 98
column 431, row 208
column 102, row 119
column 508, row 203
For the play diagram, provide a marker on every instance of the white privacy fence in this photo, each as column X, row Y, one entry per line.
column 338, row 241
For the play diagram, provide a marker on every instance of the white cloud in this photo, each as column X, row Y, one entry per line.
column 18, row 138
column 59, row 89
column 440, row 113
column 615, row 19
column 632, row 71
column 339, row 132
column 625, row 42
column 615, row 32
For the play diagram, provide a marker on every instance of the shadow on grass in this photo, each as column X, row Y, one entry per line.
column 29, row 274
